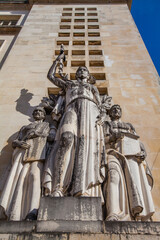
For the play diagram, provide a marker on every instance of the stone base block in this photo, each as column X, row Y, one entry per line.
column 70, row 208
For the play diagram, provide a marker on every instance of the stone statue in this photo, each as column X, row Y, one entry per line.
column 127, row 188
column 54, row 107
column 21, row 195
column 75, row 165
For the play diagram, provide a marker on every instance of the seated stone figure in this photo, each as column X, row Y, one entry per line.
column 21, row 195
column 128, row 184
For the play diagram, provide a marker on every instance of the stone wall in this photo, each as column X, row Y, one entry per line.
column 129, row 74
column 107, row 231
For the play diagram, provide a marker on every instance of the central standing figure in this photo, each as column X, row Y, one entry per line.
column 75, row 166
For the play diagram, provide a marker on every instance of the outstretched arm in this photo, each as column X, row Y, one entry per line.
column 51, row 73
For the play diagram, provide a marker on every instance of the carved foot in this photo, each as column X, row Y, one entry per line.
column 57, row 193
column 112, row 217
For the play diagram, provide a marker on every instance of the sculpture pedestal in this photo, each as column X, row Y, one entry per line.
column 70, row 214
column 70, row 208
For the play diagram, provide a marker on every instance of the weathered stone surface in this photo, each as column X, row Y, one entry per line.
column 52, row 236
column 17, row 226
column 90, row 236
column 152, row 228
column 70, row 208
column 70, row 226
column 33, row 236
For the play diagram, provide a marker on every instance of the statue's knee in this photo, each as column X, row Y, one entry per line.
column 114, row 176
column 66, row 139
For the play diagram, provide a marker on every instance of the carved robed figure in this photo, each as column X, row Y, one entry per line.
column 76, row 163
column 128, row 184
column 21, row 195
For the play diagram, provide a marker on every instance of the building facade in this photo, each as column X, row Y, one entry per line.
column 100, row 35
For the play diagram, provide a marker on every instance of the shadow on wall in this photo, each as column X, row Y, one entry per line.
column 23, row 106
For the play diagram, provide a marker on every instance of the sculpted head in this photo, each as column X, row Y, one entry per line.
column 82, row 74
column 39, row 113
column 115, row 112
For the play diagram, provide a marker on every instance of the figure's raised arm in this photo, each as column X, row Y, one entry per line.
column 52, row 71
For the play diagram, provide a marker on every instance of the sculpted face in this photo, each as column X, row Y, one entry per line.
column 38, row 114
column 82, row 74
column 115, row 112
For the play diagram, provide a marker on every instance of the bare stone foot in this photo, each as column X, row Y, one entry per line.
column 57, row 193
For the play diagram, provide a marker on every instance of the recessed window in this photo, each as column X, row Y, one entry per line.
column 78, row 52
column 94, row 42
column 79, row 20
column 57, row 52
column 93, row 34
column 103, row 90
column 66, row 14
column 9, row 20
column 65, row 26
column 79, row 34
column 78, row 42
column 92, row 9
column 91, row 14
column 1, row 43
column 67, row 9
column 79, row 27
column 77, row 63
column 96, row 63
column 66, row 20
column 63, row 34
column 93, row 20
column 79, row 14
column 58, row 76
column 93, row 26
column 79, row 9
column 72, row 76
column 95, row 52
column 63, row 42
column 53, row 90
column 99, row 76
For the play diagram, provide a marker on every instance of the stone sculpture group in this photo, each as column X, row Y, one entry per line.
column 86, row 150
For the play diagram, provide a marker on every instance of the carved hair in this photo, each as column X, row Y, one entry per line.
column 91, row 79
column 115, row 105
column 41, row 109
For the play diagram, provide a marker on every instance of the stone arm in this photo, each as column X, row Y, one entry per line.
column 19, row 142
column 25, row 134
column 110, row 135
column 51, row 74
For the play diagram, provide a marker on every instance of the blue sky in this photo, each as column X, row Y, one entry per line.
column 146, row 14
